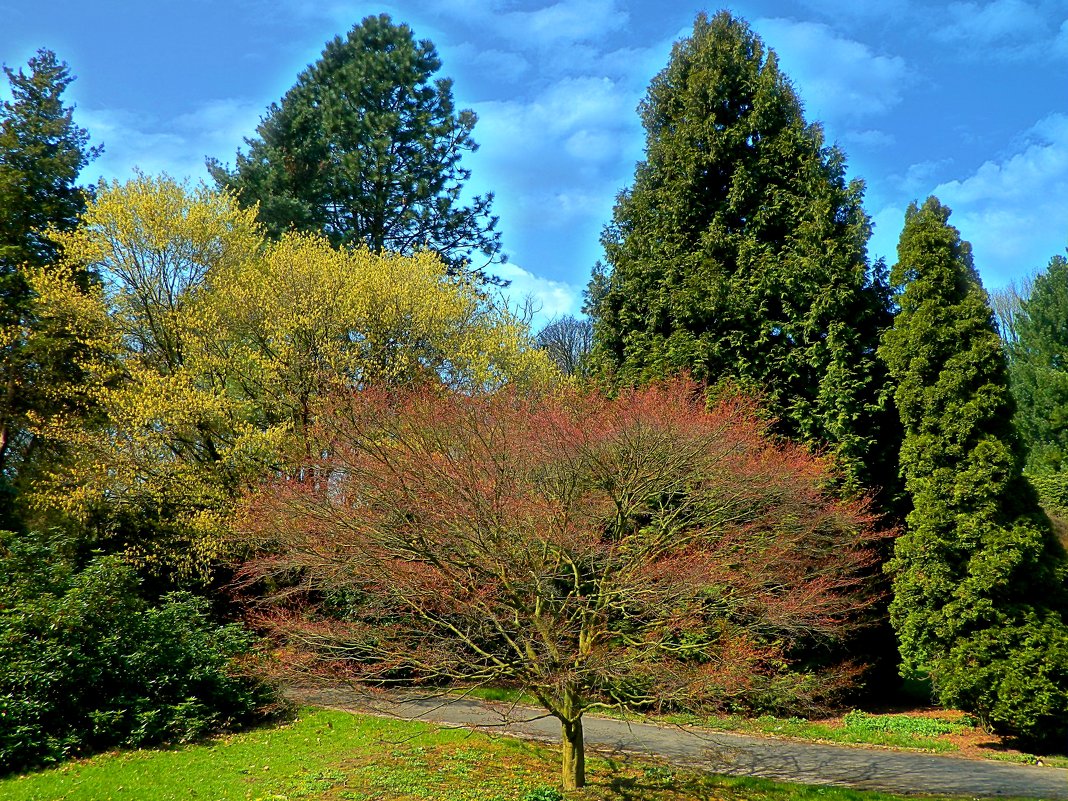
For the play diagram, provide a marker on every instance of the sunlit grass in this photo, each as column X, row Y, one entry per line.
column 335, row 756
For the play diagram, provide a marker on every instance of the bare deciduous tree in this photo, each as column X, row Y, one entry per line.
column 567, row 341
column 1007, row 303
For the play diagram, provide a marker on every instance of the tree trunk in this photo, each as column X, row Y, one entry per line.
column 574, row 754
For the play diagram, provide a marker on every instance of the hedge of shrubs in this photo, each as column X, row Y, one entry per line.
column 86, row 663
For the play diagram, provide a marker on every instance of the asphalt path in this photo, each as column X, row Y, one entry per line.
column 719, row 752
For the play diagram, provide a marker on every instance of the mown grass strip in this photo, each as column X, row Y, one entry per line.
column 328, row 755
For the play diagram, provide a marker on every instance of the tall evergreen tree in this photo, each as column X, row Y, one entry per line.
column 366, row 148
column 1038, row 361
column 739, row 253
column 42, row 152
column 979, row 579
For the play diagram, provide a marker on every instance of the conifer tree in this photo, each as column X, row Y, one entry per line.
column 42, row 152
column 979, row 579
column 1038, row 361
column 366, row 148
column 739, row 254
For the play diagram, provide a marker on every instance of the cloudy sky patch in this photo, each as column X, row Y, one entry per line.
column 964, row 98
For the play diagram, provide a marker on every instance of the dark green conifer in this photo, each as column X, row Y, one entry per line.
column 1038, row 368
column 42, row 152
column 366, row 148
column 739, row 254
column 979, row 579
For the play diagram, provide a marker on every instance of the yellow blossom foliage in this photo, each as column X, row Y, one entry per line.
column 211, row 349
column 307, row 316
column 153, row 242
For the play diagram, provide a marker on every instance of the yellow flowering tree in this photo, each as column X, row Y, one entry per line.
column 210, row 350
column 306, row 316
column 152, row 469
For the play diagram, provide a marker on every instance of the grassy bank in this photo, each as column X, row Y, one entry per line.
column 342, row 757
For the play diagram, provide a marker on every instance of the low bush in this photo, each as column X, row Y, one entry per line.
column 901, row 724
column 87, row 664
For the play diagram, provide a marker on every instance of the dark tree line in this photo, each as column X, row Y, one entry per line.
column 738, row 254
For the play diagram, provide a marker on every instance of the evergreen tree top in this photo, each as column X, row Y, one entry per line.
column 739, row 252
column 366, row 148
column 42, row 152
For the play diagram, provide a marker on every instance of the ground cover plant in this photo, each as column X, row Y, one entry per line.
column 335, row 755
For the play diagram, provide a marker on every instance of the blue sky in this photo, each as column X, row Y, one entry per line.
column 966, row 100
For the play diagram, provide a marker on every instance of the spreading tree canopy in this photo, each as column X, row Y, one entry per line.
column 366, row 148
column 740, row 252
column 635, row 550
column 979, row 579
column 42, row 152
column 1039, row 373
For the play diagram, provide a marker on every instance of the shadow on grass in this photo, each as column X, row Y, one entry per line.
column 622, row 779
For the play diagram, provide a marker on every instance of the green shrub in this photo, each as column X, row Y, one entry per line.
column 1014, row 678
column 88, row 664
column 900, row 724
column 1052, row 490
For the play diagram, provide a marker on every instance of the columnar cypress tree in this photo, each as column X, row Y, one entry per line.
column 1038, row 365
column 979, row 580
column 739, row 253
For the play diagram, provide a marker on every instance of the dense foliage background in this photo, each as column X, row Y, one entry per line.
column 168, row 351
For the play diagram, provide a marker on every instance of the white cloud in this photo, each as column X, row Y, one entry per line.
column 1005, row 207
column 1014, row 210
column 177, row 146
column 560, row 151
column 1060, row 44
column 1043, row 162
column 997, row 23
column 564, row 107
column 886, row 229
column 500, row 65
column 840, row 80
column 871, row 138
column 556, row 25
column 920, row 177
column 851, row 10
column 1006, row 30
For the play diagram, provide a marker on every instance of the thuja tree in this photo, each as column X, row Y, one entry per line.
column 739, row 254
column 979, row 580
column 1039, row 373
column 367, row 148
column 632, row 551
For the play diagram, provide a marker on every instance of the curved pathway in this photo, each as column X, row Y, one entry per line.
column 733, row 754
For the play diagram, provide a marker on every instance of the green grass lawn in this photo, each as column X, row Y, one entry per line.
column 338, row 756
